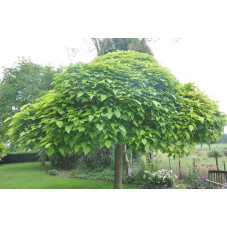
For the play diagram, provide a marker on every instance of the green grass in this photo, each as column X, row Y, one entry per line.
column 33, row 176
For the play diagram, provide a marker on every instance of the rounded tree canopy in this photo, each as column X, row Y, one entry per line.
column 123, row 97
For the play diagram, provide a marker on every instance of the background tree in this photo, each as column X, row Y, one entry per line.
column 106, row 45
column 21, row 84
column 120, row 98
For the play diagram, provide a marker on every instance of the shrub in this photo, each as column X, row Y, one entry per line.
column 53, row 172
column 67, row 162
column 101, row 157
column 18, row 157
column 159, row 179
column 213, row 154
column 106, row 174
column 152, row 179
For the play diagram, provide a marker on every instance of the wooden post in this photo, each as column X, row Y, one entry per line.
column 224, row 165
column 216, row 157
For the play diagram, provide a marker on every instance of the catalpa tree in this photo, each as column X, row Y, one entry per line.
column 117, row 99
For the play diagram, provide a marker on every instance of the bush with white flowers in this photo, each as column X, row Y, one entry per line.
column 159, row 179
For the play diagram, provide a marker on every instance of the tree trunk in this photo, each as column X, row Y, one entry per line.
column 118, row 167
column 127, row 165
column 201, row 146
column 179, row 168
column 209, row 147
column 152, row 158
column 42, row 162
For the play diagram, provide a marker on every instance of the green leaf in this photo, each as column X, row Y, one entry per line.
column 76, row 148
column 47, row 145
column 156, row 103
column 103, row 97
column 108, row 143
column 91, row 96
column 94, row 107
column 68, row 128
column 61, row 111
column 109, row 114
column 99, row 126
column 50, row 151
column 62, row 151
column 91, row 117
column 147, row 148
column 117, row 113
column 22, row 133
column 115, row 91
column 86, row 149
column 191, row 127
column 59, row 123
column 81, row 129
column 80, row 94
column 122, row 128
column 144, row 141
column 76, row 122
column 187, row 135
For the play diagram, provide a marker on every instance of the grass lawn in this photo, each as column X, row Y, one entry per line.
column 33, row 176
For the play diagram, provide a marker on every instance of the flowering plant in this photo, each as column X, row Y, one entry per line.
column 198, row 173
column 159, row 179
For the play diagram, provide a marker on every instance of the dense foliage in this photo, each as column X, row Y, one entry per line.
column 2, row 151
column 101, row 157
column 123, row 97
column 22, row 84
column 200, row 115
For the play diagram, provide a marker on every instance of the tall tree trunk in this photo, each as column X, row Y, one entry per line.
column 118, row 167
column 126, row 163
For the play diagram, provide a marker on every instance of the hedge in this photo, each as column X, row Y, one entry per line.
column 20, row 157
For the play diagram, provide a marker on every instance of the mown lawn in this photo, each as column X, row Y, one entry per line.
column 33, row 176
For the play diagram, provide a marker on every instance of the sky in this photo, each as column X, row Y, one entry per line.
column 44, row 30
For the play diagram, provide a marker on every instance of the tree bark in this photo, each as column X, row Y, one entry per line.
column 127, row 165
column 118, row 167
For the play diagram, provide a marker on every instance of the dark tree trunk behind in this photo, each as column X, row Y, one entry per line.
column 42, row 162
column 118, row 167
column 126, row 162
column 152, row 158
